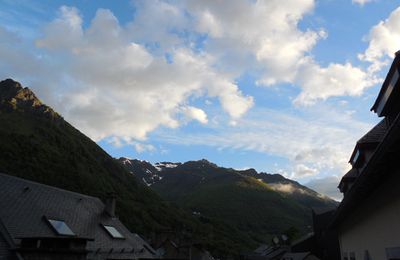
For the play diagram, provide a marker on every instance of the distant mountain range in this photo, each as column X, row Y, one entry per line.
column 224, row 210
column 257, row 204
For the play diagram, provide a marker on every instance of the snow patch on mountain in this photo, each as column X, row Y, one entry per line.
column 165, row 165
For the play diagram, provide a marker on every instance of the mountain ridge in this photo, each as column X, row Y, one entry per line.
column 37, row 144
column 256, row 203
column 264, row 176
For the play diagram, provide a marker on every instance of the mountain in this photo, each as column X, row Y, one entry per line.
column 39, row 145
column 258, row 204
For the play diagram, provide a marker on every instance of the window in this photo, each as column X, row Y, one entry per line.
column 60, row 227
column 358, row 159
column 356, row 156
column 388, row 92
column 113, row 232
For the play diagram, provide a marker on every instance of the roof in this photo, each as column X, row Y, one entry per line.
column 385, row 86
column 375, row 135
column 372, row 138
column 322, row 210
column 351, row 175
column 303, row 238
column 25, row 205
column 374, row 173
column 262, row 248
column 276, row 253
column 296, row 256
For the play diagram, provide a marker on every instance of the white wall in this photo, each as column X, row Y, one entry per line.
column 375, row 225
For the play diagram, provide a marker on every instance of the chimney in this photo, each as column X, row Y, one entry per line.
column 111, row 201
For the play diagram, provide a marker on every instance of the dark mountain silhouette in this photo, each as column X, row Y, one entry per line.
column 259, row 204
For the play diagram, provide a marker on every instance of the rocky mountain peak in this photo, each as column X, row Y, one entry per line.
column 14, row 97
column 203, row 163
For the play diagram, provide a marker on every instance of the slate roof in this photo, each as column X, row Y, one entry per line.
column 262, row 248
column 350, row 175
column 372, row 138
column 303, row 238
column 24, row 204
column 376, row 134
column 353, row 173
column 374, row 173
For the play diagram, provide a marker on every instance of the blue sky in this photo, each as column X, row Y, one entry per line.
column 279, row 88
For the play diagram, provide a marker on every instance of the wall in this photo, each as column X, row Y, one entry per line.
column 375, row 224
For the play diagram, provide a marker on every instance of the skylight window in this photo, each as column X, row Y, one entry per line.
column 112, row 231
column 61, row 227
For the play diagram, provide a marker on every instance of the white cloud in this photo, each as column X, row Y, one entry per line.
column 384, row 41
column 196, row 114
column 361, row 2
column 335, row 80
column 318, row 143
column 140, row 147
column 69, row 24
column 301, row 171
column 264, row 30
column 286, row 188
column 117, row 87
column 115, row 80
column 327, row 186
column 265, row 35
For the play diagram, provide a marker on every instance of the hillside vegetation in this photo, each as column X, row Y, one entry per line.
column 259, row 205
column 39, row 145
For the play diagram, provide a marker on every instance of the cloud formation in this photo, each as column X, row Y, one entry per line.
column 384, row 41
column 326, row 185
column 251, row 35
column 179, row 61
column 313, row 144
column 266, row 35
column 128, row 80
column 119, row 88
column 361, row 2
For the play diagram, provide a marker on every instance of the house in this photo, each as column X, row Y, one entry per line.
column 299, row 256
column 173, row 245
column 322, row 243
column 43, row 222
column 367, row 219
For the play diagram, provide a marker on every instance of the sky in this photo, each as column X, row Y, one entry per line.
column 279, row 86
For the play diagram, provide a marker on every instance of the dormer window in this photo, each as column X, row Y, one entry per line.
column 356, row 156
column 357, row 159
column 113, row 232
column 60, row 227
column 385, row 97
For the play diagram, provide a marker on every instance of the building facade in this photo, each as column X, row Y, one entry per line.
column 368, row 218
